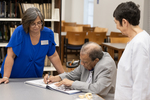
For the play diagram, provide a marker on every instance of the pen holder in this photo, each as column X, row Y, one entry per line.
column 73, row 65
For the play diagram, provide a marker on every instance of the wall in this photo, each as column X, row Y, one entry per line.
column 146, row 16
column 63, row 10
column 67, row 10
column 103, row 13
column 73, row 11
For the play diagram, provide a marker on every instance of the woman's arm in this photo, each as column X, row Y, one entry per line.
column 55, row 60
column 9, row 61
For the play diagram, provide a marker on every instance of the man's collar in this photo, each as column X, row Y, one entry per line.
column 92, row 69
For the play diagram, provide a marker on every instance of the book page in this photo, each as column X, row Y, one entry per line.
column 38, row 82
column 61, row 88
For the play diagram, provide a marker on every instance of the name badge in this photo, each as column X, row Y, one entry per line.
column 44, row 42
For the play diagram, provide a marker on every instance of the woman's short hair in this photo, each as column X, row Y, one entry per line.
column 29, row 16
column 129, row 11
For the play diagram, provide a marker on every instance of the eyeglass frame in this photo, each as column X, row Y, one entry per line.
column 86, row 63
column 34, row 24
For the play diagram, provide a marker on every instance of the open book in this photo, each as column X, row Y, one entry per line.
column 52, row 86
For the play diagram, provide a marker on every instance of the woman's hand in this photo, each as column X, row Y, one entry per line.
column 4, row 80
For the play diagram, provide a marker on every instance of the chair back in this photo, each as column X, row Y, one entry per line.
column 100, row 29
column 97, row 37
column 62, row 22
column 88, row 29
column 84, row 25
column 76, row 38
column 69, row 23
column 73, row 28
column 119, row 39
column 62, row 29
column 116, row 34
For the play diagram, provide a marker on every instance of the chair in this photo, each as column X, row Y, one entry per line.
column 119, row 39
column 62, row 23
column 73, row 28
column 62, row 29
column 116, row 34
column 84, row 25
column 97, row 37
column 69, row 23
column 70, row 29
column 88, row 29
column 100, row 29
column 74, row 41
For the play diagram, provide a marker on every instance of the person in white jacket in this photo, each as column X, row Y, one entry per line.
column 133, row 74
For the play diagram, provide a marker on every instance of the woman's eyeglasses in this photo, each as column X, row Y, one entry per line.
column 38, row 24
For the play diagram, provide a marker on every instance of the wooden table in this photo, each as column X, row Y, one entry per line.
column 111, row 47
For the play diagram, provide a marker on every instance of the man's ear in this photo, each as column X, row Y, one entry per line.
column 96, row 60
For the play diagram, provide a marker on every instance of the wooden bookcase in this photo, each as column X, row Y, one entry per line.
column 54, row 23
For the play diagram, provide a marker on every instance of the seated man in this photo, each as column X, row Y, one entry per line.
column 96, row 73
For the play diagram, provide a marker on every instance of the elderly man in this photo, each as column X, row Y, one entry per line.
column 96, row 73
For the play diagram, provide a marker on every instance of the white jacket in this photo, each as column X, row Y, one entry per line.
column 133, row 74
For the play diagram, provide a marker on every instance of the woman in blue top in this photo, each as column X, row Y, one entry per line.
column 27, row 48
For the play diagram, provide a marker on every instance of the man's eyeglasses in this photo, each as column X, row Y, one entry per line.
column 38, row 24
column 85, row 63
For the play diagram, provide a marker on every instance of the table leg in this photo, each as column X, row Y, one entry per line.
column 62, row 49
column 111, row 52
column 119, row 54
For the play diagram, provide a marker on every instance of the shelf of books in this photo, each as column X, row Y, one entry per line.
column 19, row 19
column 11, row 12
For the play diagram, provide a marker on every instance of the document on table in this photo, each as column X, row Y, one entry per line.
column 62, row 88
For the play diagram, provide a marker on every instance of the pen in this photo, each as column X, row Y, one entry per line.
column 49, row 73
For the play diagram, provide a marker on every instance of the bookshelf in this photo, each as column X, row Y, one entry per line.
column 19, row 19
column 53, row 21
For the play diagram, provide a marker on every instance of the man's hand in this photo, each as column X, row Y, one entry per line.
column 51, row 79
column 4, row 80
column 66, row 82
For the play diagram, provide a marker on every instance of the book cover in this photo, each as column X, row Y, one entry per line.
column 3, row 9
column 41, row 9
column 0, row 9
column 45, row 10
column 16, row 9
column 20, row 10
column 56, row 38
column 62, row 88
column 50, row 10
column 12, row 10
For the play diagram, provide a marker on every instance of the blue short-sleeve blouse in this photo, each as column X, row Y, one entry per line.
column 29, row 61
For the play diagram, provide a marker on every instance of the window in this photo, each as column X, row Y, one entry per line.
column 88, row 11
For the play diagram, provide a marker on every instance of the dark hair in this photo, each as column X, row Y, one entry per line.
column 129, row 11
column 29, row 16
column 93, row 50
